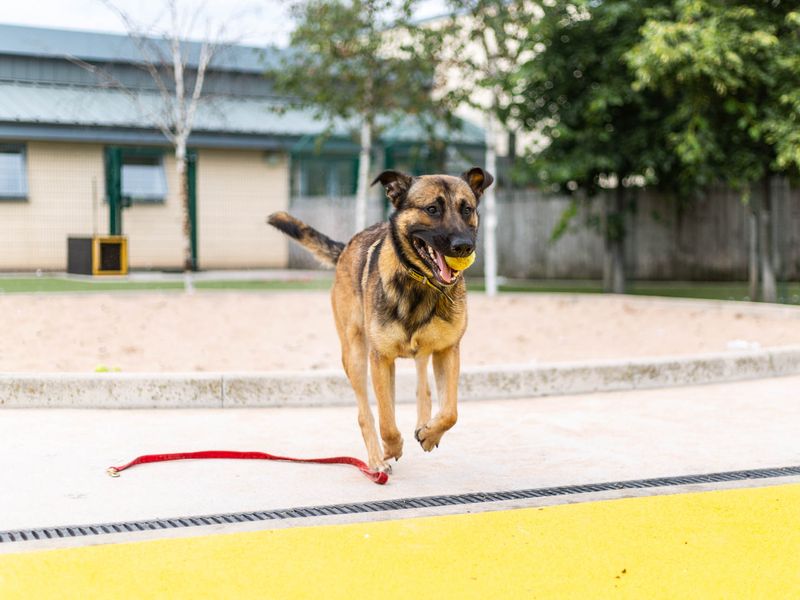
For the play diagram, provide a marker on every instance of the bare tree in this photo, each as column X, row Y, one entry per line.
column 178, row 69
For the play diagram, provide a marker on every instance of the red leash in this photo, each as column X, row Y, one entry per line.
column 376, row 476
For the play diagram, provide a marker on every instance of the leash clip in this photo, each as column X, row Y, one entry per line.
column 112, row 472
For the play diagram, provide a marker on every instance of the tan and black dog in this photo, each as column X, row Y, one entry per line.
column 394, row 296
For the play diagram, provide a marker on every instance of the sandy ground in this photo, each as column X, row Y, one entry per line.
column 251, row 331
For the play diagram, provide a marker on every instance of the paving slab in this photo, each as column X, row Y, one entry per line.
column 54, row 460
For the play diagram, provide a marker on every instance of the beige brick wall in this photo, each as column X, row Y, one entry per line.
column 236, row 190
column 66, row 184
column 33, row 233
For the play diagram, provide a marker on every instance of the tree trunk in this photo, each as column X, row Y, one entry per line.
column 753, row 255
column 614, row 263
column 765, row 246
column 183, row 197
column 490, row 213
column 362, row 189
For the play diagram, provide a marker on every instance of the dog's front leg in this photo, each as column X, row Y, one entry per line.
column 423, row 391
column 383, row 384
column 355, row 362
column 446, row 365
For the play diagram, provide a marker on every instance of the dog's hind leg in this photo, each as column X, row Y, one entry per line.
column 354, row 359
column 446, row 365
column 423, row 392
column 384, row 386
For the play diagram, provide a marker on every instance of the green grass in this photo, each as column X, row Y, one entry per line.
column 542, row 286
column 55, row 284
column 788, row 292
column 61, row 284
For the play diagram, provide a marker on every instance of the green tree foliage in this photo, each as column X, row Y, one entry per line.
column 731, row 70
column 356, row 60
column 576, row 92
column 673, row 94
column 783, row 120
column 579, row 96
column 486, row 39
column 732, row 74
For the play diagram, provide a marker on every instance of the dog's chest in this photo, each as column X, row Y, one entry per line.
column 394, row 341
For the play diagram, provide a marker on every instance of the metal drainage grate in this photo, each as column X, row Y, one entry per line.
column 21, row 535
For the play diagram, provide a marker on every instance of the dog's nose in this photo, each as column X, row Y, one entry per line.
column 461, row 246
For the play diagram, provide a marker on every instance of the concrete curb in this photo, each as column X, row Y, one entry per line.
column 330, row 388
column 111, row 390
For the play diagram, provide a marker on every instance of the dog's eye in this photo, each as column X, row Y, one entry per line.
column 466, row 210
column 433, row 209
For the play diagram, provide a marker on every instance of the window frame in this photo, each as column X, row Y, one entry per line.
column 22, row 150
column 332, row 162
column 142, row 154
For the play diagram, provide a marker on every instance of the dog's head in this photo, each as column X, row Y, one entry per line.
column 436, row 216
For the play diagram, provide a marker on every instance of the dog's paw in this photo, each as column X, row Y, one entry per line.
column 428, row 437
column 380, row 466
column 393, row 449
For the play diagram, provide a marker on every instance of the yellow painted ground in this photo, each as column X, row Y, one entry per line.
column 725, row 544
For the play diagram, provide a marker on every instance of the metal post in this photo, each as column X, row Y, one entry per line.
column 114, row 190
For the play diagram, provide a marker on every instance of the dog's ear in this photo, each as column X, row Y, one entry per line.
column 478, row 180
column 396, row 185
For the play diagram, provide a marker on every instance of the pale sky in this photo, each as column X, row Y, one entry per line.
column 257, row 22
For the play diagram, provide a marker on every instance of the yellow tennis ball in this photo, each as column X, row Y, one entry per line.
column 460, row 264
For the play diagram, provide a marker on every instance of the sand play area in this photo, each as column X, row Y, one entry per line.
column 263, row 331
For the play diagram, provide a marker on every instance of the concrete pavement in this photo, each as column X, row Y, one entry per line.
column 53, row 461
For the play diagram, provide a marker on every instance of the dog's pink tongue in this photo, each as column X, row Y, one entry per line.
column 444, row 269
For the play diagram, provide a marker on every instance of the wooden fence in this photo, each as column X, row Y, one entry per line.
column 706, row 239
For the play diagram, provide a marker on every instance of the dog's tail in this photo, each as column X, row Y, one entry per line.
column 324, row 249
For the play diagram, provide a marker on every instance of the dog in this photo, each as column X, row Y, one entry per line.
column 395, row 296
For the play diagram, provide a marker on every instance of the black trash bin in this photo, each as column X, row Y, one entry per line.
column 97, row 255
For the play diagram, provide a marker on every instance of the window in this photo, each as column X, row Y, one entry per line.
column 143, row 178
column 325, row 176
column 415, row 159
column 13, row 172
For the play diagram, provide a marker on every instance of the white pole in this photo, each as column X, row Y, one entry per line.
column 363, row 175
column 490, row 218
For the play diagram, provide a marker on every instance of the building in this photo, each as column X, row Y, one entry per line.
column 78, row 128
